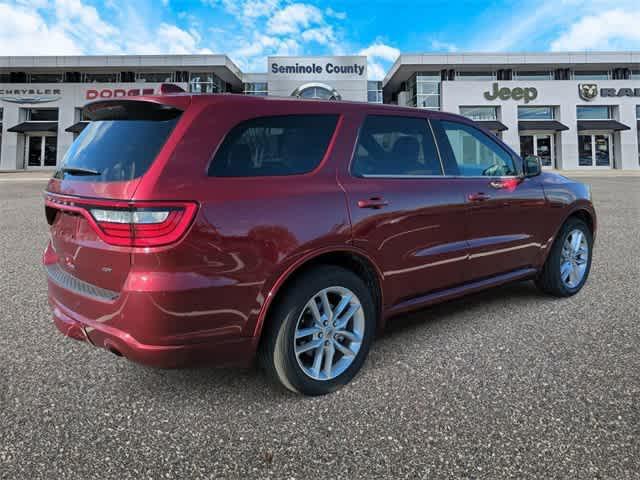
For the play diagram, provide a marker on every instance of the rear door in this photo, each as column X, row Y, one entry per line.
column 404, row 213
column 103, row 167
column 505, row 211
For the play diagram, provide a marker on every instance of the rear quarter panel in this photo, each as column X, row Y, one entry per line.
column 247, row 233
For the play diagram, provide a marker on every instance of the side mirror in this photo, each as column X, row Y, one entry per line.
column 532, row 166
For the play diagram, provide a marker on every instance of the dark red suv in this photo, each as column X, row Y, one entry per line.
column 214, row 228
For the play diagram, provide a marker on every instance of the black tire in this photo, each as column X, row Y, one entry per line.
column 277, row 351
column 549, row 279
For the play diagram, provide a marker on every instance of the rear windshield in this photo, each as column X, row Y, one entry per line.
column 115, row 150
column 274, row 146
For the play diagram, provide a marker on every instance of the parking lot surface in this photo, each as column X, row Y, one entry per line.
column 505, row 384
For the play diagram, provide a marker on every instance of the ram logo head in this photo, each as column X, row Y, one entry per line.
column 588, row 91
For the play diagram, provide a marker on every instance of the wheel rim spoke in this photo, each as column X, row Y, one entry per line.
column 328, row 360
column 351, row 336
column 308, row 346
column 326, row 306
column 342, row 322
column 344, row 350
column 307, row 332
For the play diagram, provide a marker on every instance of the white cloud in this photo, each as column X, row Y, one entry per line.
column 293, row 18
column 332, row 13
column 379, row 57
column 613, row 29
column 30, row 35
column 380, row 50
column 71, row 27
column 321, row 35
column 439, row 46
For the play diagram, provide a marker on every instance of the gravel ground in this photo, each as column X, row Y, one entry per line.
column 504, row 384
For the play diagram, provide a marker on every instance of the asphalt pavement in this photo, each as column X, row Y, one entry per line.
column 508, row 383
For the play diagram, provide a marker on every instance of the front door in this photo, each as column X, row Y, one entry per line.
column 541, row 145
column 595, row 150
column 41, row 151
column 405, row 214
column 504, row 212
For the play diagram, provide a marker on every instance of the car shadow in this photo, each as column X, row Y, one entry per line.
column 251, row 384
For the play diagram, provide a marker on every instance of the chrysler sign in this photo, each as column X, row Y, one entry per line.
column 30, row 95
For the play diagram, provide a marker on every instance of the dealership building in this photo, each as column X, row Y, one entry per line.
column 573, row 110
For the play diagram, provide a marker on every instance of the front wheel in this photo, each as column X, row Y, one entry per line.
column 320, row 331
column 569, row 262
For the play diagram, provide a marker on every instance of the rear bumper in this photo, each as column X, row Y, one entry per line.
column 160, row 327
column 239, row 351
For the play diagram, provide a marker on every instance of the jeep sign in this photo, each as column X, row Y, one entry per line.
column 517, row 93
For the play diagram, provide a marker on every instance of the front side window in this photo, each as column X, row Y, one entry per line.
column 393, row 146
column 475, row 153
column 274, row 146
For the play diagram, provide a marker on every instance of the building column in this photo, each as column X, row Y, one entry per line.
column 567, row 154
column 10, row 152
column 627, row 156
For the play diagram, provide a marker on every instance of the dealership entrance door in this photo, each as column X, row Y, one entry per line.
column 595, row 150
column 41, row 150
column 541, row 145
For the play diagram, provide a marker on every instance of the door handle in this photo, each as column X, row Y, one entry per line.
column 373, row 202
column 478, row 197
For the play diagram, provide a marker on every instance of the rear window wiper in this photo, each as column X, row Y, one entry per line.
column 80, row 171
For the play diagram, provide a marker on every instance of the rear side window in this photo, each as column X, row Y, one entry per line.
column 475, row 153
column 389, row 145
column 274, row 146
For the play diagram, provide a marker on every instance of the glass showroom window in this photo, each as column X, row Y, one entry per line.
column 256, row 88
column 42, row 114
column 595, row 112
column 480, row 113
column 424, row 88
column 536, row 113
column 45, row 77
column 635, row 75
column 101, row 77
column 592, row 75
column 374, row 92
column 205, row 82
column 534, row 75
column 476, row 75
column 155, row 77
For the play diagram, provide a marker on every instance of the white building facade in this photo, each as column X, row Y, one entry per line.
column 573, row 110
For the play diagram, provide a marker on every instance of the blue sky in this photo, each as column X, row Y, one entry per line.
column 249, row 31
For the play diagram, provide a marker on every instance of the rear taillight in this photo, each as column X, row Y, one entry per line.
column 132, row 224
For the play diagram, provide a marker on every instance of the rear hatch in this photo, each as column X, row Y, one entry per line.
column 93, row 221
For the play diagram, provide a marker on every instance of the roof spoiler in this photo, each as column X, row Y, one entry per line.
column 167, row 88
column 130, row 110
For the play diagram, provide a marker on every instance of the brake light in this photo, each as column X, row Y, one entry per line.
column 132, row 224
column 138, row 226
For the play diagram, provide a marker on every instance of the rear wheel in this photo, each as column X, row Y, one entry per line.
column 320, row 331
column 569, row 262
